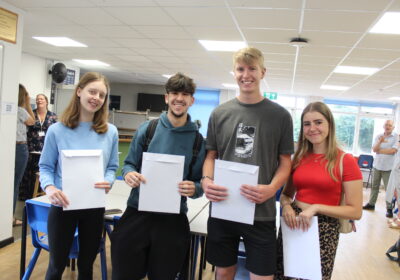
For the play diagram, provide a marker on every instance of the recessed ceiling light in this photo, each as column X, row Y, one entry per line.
column 223, row 46
column 230, row 85
column 167, row 76
column 397, row 98
column 389, row 23
column 332, row 87
column 60, row 41
column 355, row 70
column 91, row 62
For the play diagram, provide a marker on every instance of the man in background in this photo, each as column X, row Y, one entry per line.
column 385, row 148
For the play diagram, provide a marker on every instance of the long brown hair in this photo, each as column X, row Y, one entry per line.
column 70, row 116
column 305, row 147
column 23, row 96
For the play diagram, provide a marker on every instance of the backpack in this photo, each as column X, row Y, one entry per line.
column 151, row 129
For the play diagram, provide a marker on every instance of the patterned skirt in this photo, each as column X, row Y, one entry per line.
column 328, row 240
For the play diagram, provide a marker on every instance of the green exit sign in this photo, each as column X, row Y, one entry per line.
column 270, row 95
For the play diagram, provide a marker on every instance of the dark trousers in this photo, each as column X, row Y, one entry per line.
column 21, row 158
column 61, row 227
column 152, row 244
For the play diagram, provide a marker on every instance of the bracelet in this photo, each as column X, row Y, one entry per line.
column 205, row 176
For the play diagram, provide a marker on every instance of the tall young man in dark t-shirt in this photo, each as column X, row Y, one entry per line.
column 253, row 130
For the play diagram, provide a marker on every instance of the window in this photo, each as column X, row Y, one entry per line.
column 358, row 123
column 204, row 103
column 345, row 127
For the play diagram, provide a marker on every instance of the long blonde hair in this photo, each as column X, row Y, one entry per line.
column 305, row 147
column 70, row 116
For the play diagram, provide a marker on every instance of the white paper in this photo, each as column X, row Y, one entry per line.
column 81, row 169
column 163, row 174
column 301, row 252
column 236, row 207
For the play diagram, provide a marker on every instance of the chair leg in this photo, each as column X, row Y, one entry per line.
column 103, row 258
column 32, row 264
column 72, row 264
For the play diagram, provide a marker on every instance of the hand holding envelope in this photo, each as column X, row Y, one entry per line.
column 133, row 179
column 56, row 196
column 213, row 192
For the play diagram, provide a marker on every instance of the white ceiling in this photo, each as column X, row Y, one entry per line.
column 143, row 39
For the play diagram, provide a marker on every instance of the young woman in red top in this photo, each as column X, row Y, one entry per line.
column 315, row 185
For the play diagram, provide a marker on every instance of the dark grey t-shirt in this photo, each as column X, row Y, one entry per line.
column 254, row 134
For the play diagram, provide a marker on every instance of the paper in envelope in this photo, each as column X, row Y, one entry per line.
column 301, row 251
column 81, row 169
column 163, row 174
column 232, row 175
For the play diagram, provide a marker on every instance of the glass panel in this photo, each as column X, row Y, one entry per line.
column 369, row 129
column 204, row 103
column 345, row 125
column 300, row 103
column 297, row 124
column 343, row 108
column 286, row 101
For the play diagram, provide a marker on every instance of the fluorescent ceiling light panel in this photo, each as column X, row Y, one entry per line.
column 355, row 70
column 167, row 76
column 396, row 98
column 222, row 46
column 389, row 23
column 60, row 41
column 230, row 85
column 332, row 87
column 90, row 62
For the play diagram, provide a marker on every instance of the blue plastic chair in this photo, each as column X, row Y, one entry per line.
column 365, row 162
column 37, row 213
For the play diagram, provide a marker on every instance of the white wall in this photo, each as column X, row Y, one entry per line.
column 34, row 74
column 9, row 93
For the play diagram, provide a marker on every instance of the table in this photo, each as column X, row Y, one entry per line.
column 115, row 199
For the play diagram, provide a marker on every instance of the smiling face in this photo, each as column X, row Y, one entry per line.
column 315, row 128
column 248, row 77
column 41, row 101
column 92, row 97
column 178, row 103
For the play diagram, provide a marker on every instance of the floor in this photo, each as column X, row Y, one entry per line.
column 360, row 255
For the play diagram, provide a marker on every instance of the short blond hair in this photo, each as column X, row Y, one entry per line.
column 249, row 56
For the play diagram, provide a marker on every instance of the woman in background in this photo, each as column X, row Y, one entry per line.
column 83, row 126
column 35, row 136
column 315, row 187
column 24, row 118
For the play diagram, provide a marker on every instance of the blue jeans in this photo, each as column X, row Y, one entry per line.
column 21, row 159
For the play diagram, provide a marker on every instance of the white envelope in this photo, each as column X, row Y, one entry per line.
column 163, row 174
column 232, row 175
column 81, row 169
column 301, row 252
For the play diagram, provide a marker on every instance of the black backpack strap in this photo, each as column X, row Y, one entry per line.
column 151, row 129
column 196, row 149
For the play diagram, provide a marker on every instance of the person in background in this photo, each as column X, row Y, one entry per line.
column 149, row 243
column 24, row 118
column 83, row 126
column 253, row 130
column 393, row 190
column 385, row 148
column 315, row 185
column 35, row 136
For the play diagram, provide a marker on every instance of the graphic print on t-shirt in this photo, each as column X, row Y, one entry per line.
column 244, row 140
